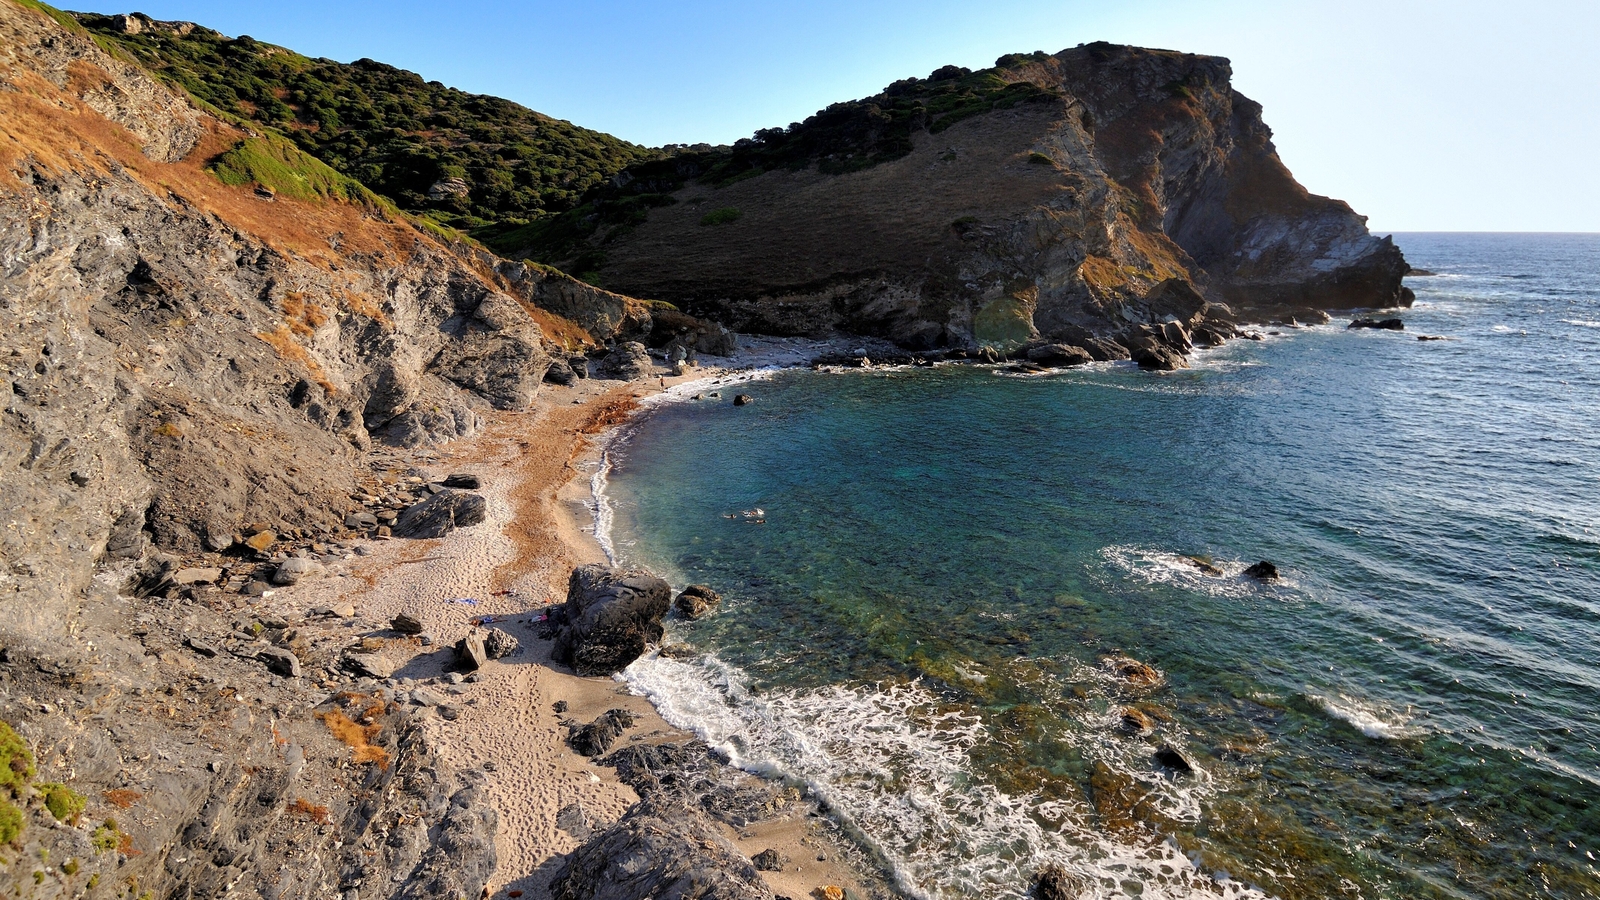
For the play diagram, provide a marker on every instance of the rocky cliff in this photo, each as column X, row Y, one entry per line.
column 1100, row 187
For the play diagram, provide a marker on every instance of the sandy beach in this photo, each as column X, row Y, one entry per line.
column 535, row 469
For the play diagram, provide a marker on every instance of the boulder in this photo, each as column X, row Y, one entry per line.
column 368, row 664
column 440, row 514
column 1382, row 324
column 1168, row 757
column 499, row 644
column 742, row 399
column 280, row 661
column 470, row 652
column 628, row 361
column 361, row 520
column 1135, row 721
column 769, row 860
column 696, row 600
column 560, row 373
column 405, row 623
column 291, row 570
column 595, row 738
column 1055, row 882
column 1150, row 350
column 463, row 480
column 609, row 618
column 1060, row 355
column 1262, row 571
column 1135, row 673
column 661, row 848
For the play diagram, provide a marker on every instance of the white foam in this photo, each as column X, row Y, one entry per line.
column 1369, row 718
column 1154, row 566
column 687, row 390
column 600, row 507
column 1582, row 323
column 894, row 762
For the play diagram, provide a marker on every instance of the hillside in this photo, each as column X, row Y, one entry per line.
column 1095, row 188
column 467, row 160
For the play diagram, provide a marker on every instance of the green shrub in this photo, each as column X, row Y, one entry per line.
column 16, row 760
column 11, row 822
column 720, row 216
column 106, row 837
column 281, row 167
column 70, row 867
column 63, row 802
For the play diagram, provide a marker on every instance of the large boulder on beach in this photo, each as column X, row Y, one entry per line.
column 661, row 848
column 628, row 361
column 609, row 618
column 440, row 514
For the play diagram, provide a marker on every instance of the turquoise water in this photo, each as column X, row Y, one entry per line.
column 922, row 626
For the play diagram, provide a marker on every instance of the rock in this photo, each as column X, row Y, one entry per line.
column 280, row 661
column 1149, row 349
column 828, row 892
column 201, row 647
column 741, row 399
column 361, row 520
column 610, row 616
column 1135, row 721
column 628, row 361
column 559, row 707
column 1055, row 882
column 343, row 610
column 423, row 697
column 1134, row 672
column 574, row 820
column 255, row 588
column 499, row 644
column 470, row 652
column 1205, row 566
column 463, row 480
column 406, row 623
column 261, row 540
column 368, row 664
column 595, row 738
column 1059, row 355
column 1169, row 758
column 1262, row 571
column 440, row 514
column 769, row 860
column 197, row 576
column 560, row 372
column 696, row 600
column 293, row 569
column 1383, row 324
column 659, row 849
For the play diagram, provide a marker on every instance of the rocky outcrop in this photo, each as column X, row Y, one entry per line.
column 603, row 314
column 1135, row 187
column 441, row 514
column 659, row 849
column 609, row 618
column 628, row 361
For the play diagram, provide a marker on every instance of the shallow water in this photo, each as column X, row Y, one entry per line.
column 919, row 626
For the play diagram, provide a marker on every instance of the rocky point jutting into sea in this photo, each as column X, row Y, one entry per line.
column 276, row 444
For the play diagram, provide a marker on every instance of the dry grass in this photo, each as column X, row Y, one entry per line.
column 303, row 317
column 305, row 809
column 288, row 349
column 122, row 798
column 357, row 737
column 608, row 413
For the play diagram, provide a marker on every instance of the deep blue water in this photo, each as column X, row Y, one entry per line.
column 922, row 628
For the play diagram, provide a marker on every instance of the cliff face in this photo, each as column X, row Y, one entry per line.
column 1130, row 178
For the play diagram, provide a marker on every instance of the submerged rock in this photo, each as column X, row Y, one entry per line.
column 1262, row 571
column 609, row 618
column 696, row 600
column 1055, row 882
column 1383, row 324
column 1168, row 757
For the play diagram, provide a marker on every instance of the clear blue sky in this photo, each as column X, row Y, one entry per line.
column 1465, row 115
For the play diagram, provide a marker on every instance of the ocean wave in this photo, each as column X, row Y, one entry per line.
column 1369, row 718
column 894, row 761
column 1582, row 323
column 1164, row 567
column 600, row 507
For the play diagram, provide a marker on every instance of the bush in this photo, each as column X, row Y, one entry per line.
column 63, row 802
column 106, row 837
column 11, row 822
column 720, row 216
column 16, row 760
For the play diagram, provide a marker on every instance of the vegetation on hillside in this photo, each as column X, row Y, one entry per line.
column 467, row 160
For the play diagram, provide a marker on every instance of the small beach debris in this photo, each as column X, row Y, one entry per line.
column 467, row 600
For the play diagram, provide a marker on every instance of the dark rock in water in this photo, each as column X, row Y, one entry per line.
column 1135, row 721
column 1060, row 355
column 1262, row 571
column 1432, row 337
column 742, row 399
column 1205, row 566
column 1169, row 758
column 696, row 600
column 609, row 618
column 1384, row 324
column 769, row 860
column 470, row 652
column 597, row 737
column 1054, row 882
column 1151, row 351
column 440, row 514
column 1414, row 272
column 463, row 480
column 628, row 361
column 406, row 624
column 280, row 661
column 1134, row 672
column 661, row 848
column 499, row 645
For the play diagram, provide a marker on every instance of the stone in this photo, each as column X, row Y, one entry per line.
column 628, row 361
column 499, row 644
column 1134, row 672
column 201, row 647
column 280, row 661
column 423, row 697
column 1135, row 721
column 560, row 372
column 470, row 652
column 609, row 617
column 255, row 588
column 405, row 623
column 595, row 738
column 361, row 520
column 293, row 569
column 1381, row 324
column 695, row 601
column 197, row 576
column 574, row 820
column 1262, row 571
column 369, row 664
column 463, row 480
column 769, row 860
column 1060, row 355
column 440, row 514
column 661, row 848
column 261, row 540
column 1054, row 882
column 1205, row 566
column 742, row 399
column 1167, row 757
column 343, row 610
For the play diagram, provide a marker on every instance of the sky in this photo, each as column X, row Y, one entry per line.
column 1424, row 116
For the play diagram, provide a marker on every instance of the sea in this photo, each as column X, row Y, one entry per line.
column 937, row 582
